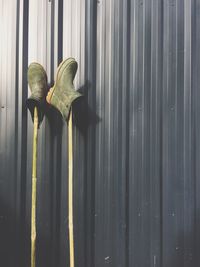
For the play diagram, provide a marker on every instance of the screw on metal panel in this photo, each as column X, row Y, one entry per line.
column 107, row 259
column 2, row 107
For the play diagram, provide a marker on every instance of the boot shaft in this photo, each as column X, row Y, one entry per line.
column 37, row 80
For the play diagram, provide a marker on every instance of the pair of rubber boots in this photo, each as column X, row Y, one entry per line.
column 60, row 96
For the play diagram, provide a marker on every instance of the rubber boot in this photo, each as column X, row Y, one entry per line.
column 62, row 94
column 37, row 80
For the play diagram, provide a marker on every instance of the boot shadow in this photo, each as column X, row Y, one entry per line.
column 83, row 115
column 55, row 120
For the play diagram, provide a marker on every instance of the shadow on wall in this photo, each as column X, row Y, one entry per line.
column 187, row 256
column 84, row 116
column 7, row 235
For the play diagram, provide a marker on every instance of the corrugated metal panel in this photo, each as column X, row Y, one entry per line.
column 137, row 145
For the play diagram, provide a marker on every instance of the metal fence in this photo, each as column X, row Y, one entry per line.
column 137, row 145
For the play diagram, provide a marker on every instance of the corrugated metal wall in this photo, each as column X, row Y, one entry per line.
column 137, row 145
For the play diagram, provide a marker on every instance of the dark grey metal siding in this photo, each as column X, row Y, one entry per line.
column 136, row 143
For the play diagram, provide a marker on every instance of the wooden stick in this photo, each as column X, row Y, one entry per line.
column 34, row 185
column 70, row 191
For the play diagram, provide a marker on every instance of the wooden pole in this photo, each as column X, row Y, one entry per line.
column 34, row 187
column 70, row 191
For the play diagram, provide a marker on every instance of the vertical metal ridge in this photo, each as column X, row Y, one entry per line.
column 99, row 170
column 156, row 134
column 17, row 78
column 90, row 154
column 188, row 148
column 127, row 79
column 195, row 77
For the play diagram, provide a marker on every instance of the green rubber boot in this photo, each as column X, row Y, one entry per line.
column 37, row 80
column 62, row 94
